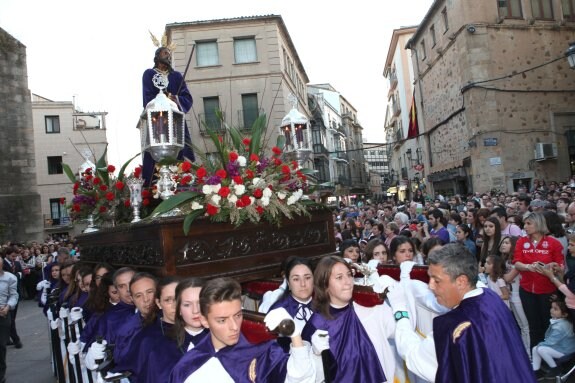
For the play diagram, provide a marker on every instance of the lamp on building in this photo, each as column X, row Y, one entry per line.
column 295, row 128
column 570, row 54
column 162, row 133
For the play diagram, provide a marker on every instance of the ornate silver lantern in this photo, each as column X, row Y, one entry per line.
column 295, row 128
column 135, row 185
column 162, row 133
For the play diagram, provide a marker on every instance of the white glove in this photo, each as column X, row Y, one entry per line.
column 97, row 351
column 406, row 267
column 76, row 314
column 49, row 315
column 44, row 299
column 382, row 283
column 43, row 285
column 319, row 341
column 63, row 312
column 54, row 324
column 373, row 264
column 276, row 316
column 74, row 348
column 396, row 298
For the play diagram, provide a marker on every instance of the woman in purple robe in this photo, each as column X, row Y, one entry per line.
column 177, row 331
column 297, row 298
column 351, row 339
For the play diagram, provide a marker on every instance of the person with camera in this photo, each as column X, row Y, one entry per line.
column 532, row 252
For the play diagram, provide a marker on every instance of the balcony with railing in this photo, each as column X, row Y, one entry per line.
column 211, row 121
column 392, row 81
column 247, row 117
column 395, row 108
column 53, row 223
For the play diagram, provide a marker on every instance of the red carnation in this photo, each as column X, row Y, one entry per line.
column 138, row 172
column 119, row 185
column 111, row 168
column 260, row 210
column 76, row 185
column 212, row 210
column 277, row 151
column 286, row 169
column 103, row 187
column 103, row 209
column 76, row 207
column 62, row 201
column 88, row 177
column 224, row 191
column 221, row 139
column 277, row 161
column 233, row 156
column 246, row 141
column 294, row 165
column 145, row 193
column 146, row 202
column 249, row 174
column 246, row 200
column 254, row 157
column 201, row 172
column 110, row 196
column 96, row 181
column 88, row 171
column 185, row 180
column 186, row 166
column 221, row 173
column 258, row 193
column 127, row 203
column 238, row 180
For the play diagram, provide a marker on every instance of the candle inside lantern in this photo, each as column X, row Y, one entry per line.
column 299, row 134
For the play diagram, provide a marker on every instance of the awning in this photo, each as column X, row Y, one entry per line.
column 392, row 190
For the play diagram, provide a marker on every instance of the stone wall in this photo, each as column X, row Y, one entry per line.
column 20, row 211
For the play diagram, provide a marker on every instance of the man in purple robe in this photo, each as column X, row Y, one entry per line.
column 176, row 91
column 226, row 356
column 478, row 341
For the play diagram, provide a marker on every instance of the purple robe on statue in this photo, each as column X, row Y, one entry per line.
column 353, row 356
column 479, row 342
column 268, row 357
column 184, row 101
column 159, row 352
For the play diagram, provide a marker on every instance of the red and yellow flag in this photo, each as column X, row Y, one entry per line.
column 413, row 130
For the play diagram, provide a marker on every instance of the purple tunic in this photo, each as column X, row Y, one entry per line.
column 159, row 352
column 297, row 311
column 479, row 342
column 184, row 101
column 268, row 357
column 353, row 356
column 127, row 343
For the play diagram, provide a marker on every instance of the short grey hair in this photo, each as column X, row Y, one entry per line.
column 456, row 260
column 538, row 219
column 403, row 218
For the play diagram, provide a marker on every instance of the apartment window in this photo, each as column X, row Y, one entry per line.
column 510, row 9
column 211, row 110
column 55, row 165
column 432, row 32
column 57, row 211
column 250, row 109
column 569, row 10
column 207, row 53
column 445, row 20
column 542, row 9
column 423, row 54
column 52, row 124
column 245, row 50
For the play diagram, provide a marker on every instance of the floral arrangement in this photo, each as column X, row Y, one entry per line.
column 100, row 193
column 241, row 184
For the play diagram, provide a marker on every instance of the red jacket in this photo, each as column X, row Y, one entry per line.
column 547, row 250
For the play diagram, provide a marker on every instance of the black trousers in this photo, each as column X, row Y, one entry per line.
column 13, row 333
column 536, row 307
column 4, row 336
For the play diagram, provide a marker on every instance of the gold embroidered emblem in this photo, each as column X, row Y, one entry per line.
column 252, row 371
column 459, row 330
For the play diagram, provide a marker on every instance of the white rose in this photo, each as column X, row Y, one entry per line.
column 196, row 206
column 281, row 195
column 239, row 189
column 207, row 189
column 216, row 188
column 232, row 198
column 267, row 193
column 291, row 200
column 255, row 181
column 265, row 201
column 216, row 199
column 173, row 168
column 242, row 161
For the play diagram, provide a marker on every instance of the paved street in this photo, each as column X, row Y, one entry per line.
column 30, row 364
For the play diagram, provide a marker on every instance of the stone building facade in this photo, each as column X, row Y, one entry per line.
column 20, row 211
column 495, row 94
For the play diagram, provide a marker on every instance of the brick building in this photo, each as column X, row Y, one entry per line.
column 495, row 94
